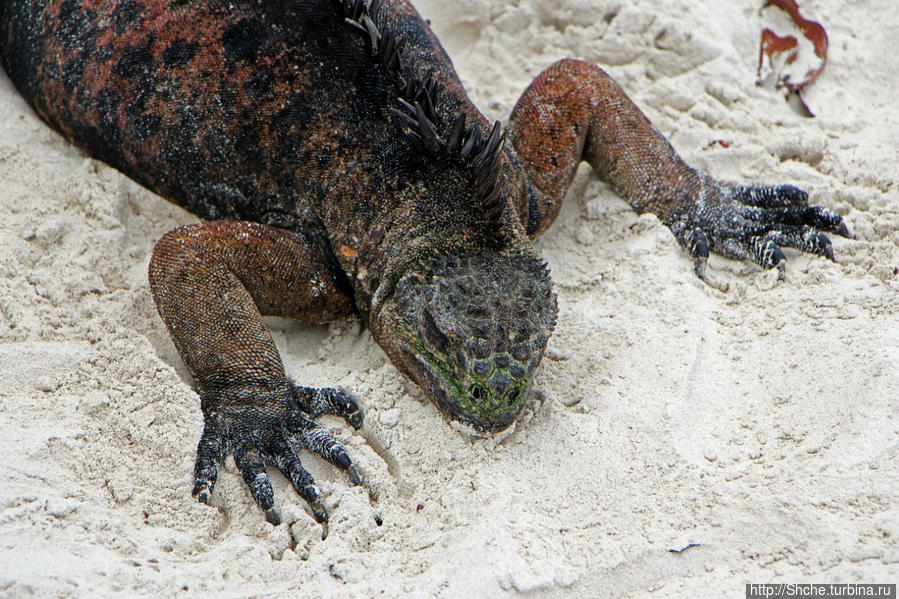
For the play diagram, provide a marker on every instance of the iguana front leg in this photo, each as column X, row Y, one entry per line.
column 212, row 282
column 574, row 111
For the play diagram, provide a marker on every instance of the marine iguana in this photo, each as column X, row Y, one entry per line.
column 344, row 172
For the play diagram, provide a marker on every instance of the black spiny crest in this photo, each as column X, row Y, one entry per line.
column 416, row 100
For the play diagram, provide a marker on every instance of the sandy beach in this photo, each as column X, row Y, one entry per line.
column 686, row 441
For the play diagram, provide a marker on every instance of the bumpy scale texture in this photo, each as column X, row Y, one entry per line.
column 344, row 172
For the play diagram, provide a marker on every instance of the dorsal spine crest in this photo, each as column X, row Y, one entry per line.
column 416, row 108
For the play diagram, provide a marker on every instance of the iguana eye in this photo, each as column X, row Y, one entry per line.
column 433, row 334
column 477, row 392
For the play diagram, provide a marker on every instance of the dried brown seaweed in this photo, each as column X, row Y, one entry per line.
column 784, row 63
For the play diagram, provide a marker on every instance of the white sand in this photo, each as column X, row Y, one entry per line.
column 760, row 424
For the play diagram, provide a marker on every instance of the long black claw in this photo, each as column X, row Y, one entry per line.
column 700, row 267
column 816, row 217
column 697, row 243
column 206, row 467
column 254, row 475
column 792, row 195
column 313, row 498
column 273, row 517
column 843, row 230
column 767, row 254
column 817, row 243
column 771, row 196
column 828, row 220
column 354, row 475
column 202, row 492
column 354, row 419
column 289, row 464
column 805, row 238
column 337, row 402
column 320, row 441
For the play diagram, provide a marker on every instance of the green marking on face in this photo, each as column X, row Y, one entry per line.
column 472, row 394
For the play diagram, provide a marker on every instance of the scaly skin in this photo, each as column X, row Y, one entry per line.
column 355, row 178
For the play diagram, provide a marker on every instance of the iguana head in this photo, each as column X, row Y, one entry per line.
column 471, row 331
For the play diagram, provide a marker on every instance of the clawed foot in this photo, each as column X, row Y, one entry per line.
column 754, row 223
column 259, row 435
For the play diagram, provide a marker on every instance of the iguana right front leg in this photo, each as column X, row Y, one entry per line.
column 575, row 112
column 212, row 282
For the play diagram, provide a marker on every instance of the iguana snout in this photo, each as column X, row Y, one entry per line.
column 471, row 332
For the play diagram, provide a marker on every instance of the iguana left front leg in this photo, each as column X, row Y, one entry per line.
column 212, row 282
column 574, row 111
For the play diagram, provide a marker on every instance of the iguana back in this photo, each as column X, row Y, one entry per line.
column 265, row 111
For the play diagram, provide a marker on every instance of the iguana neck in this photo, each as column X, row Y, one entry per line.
column 434, row 215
